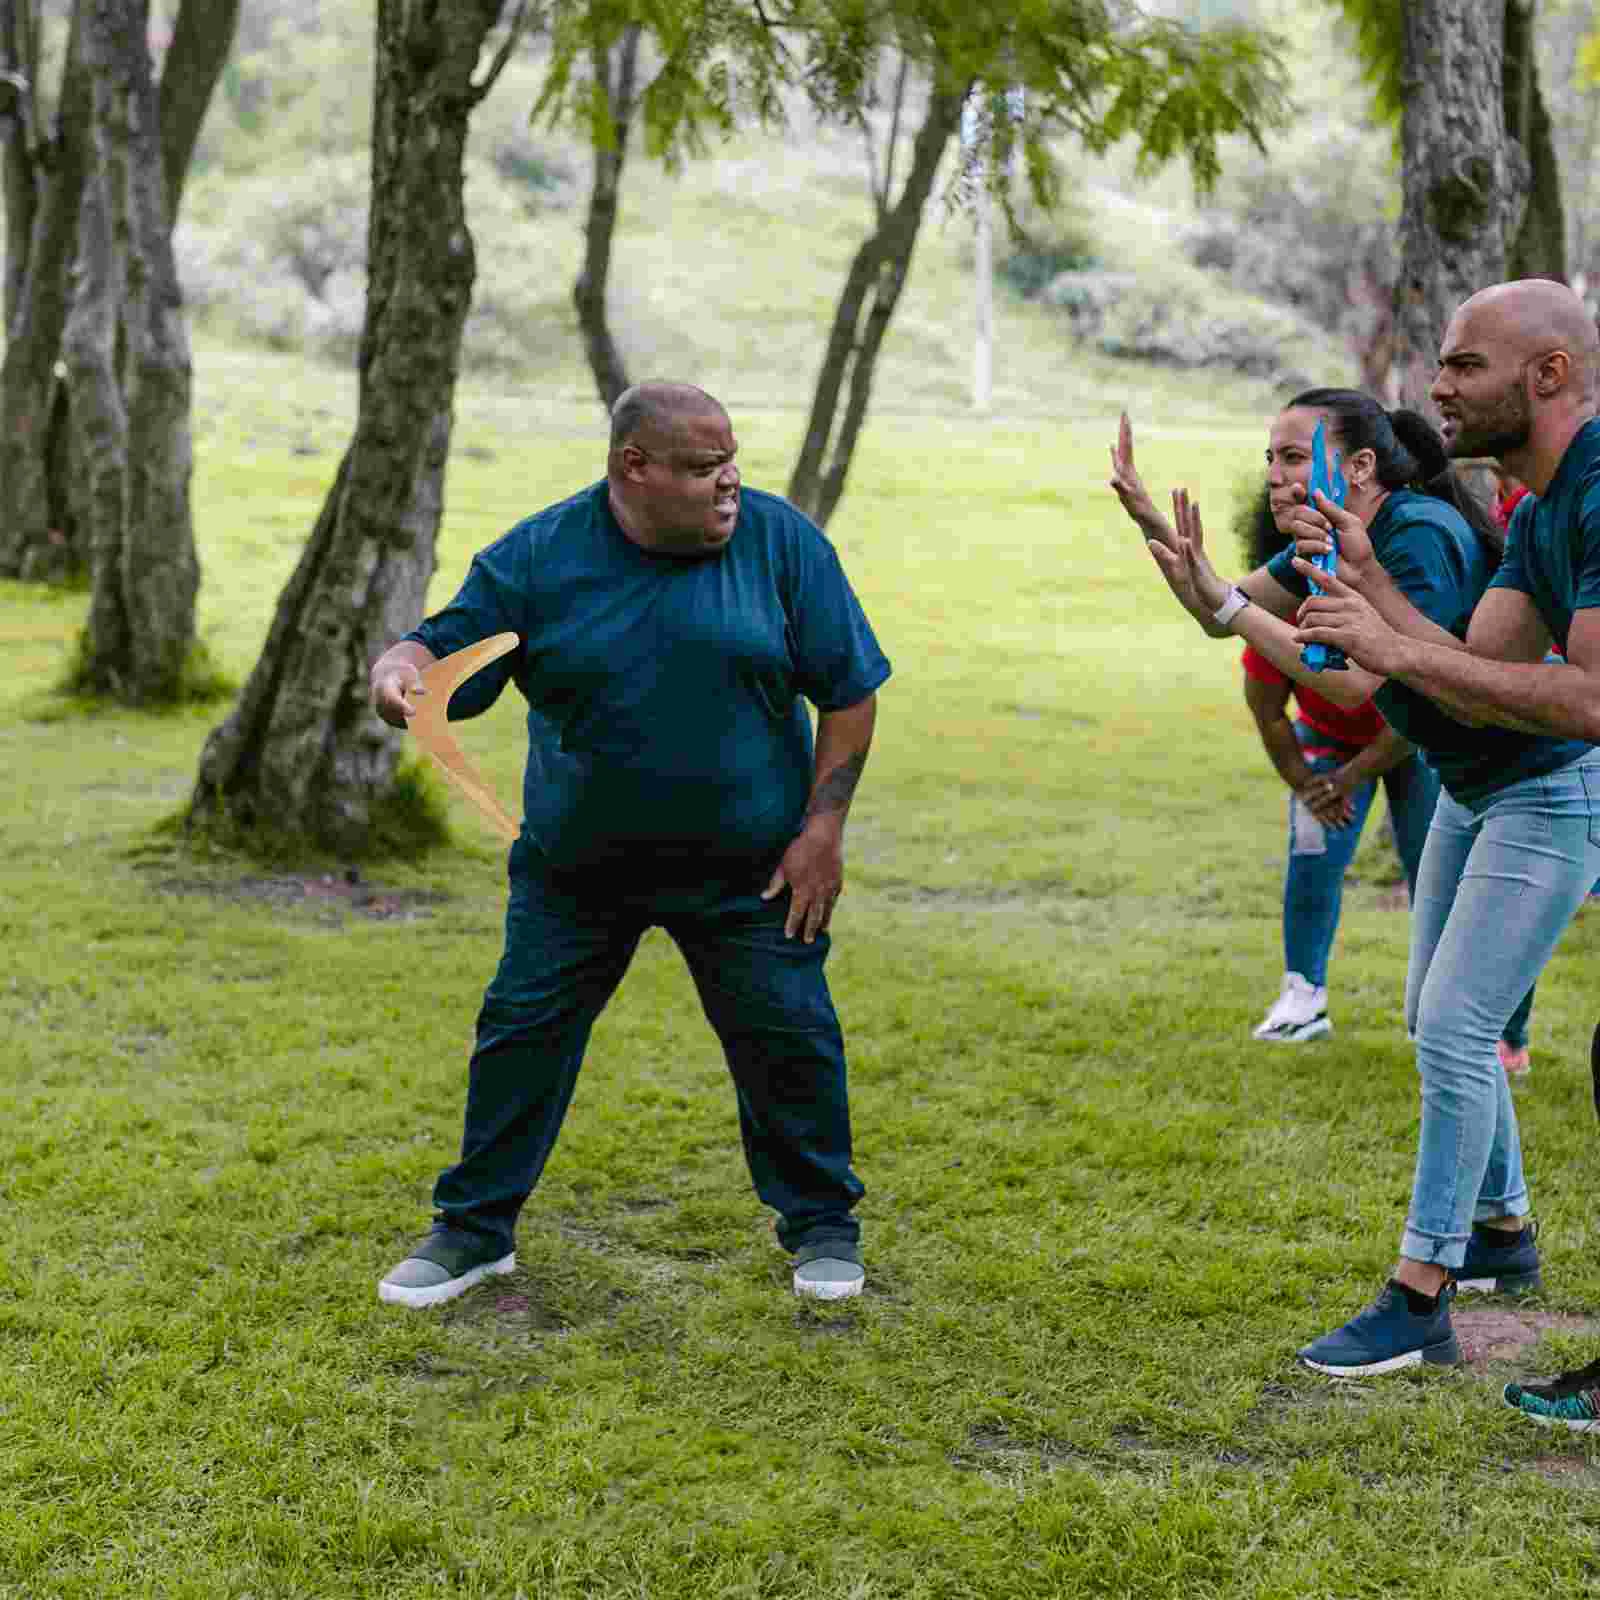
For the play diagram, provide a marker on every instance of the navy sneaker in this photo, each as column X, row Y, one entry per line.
column 1500, row 1263
column 1386, row 1337
column 447, row 1263
column 1570, row 1401
column 829, row 1269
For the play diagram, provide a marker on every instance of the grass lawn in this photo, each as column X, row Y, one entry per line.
column 1099, row 1218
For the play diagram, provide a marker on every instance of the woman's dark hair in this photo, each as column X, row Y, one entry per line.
column 1409, row 452
column 1254, row 526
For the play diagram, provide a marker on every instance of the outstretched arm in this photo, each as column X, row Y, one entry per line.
column 1553, row 698
column 1261, row 624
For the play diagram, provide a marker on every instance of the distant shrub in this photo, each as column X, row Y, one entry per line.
column 544, row 178
column 1031, row 268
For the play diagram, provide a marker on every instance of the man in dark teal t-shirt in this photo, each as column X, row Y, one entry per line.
column 1518, row 370
column 671, row 624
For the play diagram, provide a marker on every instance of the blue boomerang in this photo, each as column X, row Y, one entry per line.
column 1324, row 657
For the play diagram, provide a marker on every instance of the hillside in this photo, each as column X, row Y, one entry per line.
column 727, row 271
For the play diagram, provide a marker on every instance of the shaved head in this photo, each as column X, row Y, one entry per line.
column 1518, row 369
column 658, row 411
column 1529, row 318
column 673, row 483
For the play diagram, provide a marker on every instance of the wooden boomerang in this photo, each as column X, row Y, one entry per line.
column 430, row 727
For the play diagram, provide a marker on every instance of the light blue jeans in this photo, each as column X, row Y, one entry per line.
column 1498, row 885
column 1319, row 856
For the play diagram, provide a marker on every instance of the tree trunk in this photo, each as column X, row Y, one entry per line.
column 302, row 756
column 1463, row 180
column 1539, row 247
column 866, row 304
column 129, row 335
column 589, row 292
column 37, row 534
column 202, row 39
column 41, row 534
column 19, row 124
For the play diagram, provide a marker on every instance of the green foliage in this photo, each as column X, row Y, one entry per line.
column 1082, row 68
column 1380, row 37
column 717, row 66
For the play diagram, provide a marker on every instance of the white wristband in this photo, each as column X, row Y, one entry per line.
column 1235, row 602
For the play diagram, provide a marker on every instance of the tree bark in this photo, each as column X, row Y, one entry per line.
column 302, row 755
column 37, row 534
column 589, row 292
column 1463, row 181
column 866, row 305
column 1539, row 247
column 129, row 367
column 41, row 531
column 202, row 40
column 19, row 123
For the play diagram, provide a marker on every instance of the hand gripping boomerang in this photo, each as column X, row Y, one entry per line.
column 430, row 727
column 1324, row 657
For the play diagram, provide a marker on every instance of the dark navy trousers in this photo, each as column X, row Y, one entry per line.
column 570, row 935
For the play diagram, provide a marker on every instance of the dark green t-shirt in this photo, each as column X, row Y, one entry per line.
column 1553, row 544
column 665, row 718
column 1443, row 568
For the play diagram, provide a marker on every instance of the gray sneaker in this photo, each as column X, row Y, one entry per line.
column 830, row 1270
column 447, row 1263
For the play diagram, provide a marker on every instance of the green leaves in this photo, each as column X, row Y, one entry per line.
column 1097, row 70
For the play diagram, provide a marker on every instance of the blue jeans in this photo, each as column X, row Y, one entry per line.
column 569, row 938
column 1313, row 887
column 1499, row 883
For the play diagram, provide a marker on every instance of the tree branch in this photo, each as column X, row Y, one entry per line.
column 482, row 86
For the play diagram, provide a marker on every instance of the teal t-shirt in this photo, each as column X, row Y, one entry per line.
column 1553, row 543
column 665, row 713
column 1443, row 568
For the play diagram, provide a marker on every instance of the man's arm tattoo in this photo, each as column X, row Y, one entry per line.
column 834, row 792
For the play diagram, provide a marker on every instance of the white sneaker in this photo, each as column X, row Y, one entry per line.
column 1299, row 1014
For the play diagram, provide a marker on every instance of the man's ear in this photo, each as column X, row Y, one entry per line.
column 1550, row 373
column 632, row 460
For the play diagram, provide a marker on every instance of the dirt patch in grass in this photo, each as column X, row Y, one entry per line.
column 324, row 893
column 1501, row 1333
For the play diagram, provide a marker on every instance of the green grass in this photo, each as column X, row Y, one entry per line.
column 1099, row 1219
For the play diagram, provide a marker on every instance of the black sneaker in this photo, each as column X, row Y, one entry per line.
column 1594, row 1067
column 447, row 1263
column 1495, row 1266
column 1571, row 1401
column 1386, row 1337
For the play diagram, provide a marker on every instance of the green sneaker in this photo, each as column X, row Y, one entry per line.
column 828, row 1270
column 447, row 1263
column 1571, row 1401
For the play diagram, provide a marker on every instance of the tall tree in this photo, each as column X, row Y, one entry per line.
column 301, row 754
column 69, row 178
column 1096, row 71
column 712, row 64
column 1539, row 247
column 1464, row 180
column 125, row 348
column 616, row 71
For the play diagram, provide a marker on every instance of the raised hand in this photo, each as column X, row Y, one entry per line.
column 1130, row 489
column 1207, row 587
